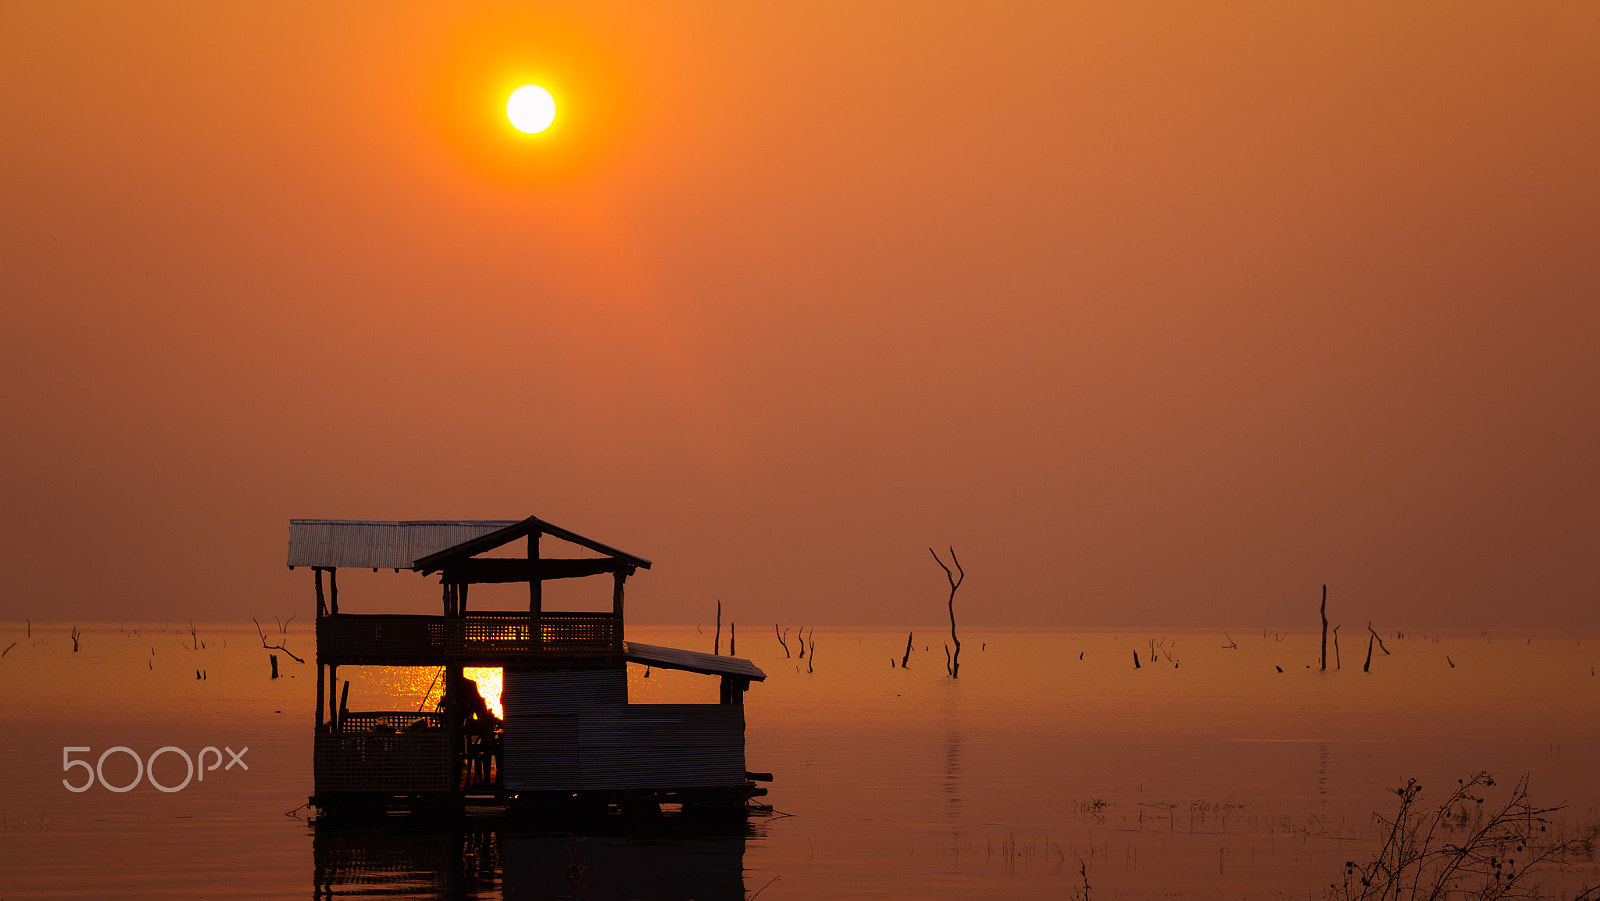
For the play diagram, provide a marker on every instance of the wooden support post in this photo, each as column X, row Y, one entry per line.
column 322, row 605
column 333, row 687
column 452, row 720
column 535, row 581
column 344, row 708
column 321, row 699
column 732, row 690
column 617, row 580
column 333, row 590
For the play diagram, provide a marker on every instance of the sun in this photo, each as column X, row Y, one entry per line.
column 531, row 109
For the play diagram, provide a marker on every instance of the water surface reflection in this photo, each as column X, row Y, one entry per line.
column 610, row 857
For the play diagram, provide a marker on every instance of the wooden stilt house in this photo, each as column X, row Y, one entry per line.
column 568, row 729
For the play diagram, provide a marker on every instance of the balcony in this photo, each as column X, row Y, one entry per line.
column 486, row 638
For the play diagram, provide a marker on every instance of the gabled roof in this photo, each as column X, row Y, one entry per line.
column 692, row 661
column 379, row 544
column 424, row 545
column 511, row 532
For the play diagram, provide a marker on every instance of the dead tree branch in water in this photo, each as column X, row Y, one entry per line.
column 1372, row 636
column 1336, row 664
column 1324, row 628
column 954, row 663
column 781, row 639
column 907, row 657
column 716, row 646
column 274, row 647
column 75, row 634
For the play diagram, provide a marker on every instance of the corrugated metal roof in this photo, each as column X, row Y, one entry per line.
column 380, row 544
column 693, row 661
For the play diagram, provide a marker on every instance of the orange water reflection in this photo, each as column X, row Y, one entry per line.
column 1205, row 772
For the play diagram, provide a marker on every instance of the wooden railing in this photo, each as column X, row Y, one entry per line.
column 482, row 638
column 395, row 762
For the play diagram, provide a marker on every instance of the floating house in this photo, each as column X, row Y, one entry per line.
column 569, row 729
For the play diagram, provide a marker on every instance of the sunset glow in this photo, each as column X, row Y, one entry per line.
column 531, row 109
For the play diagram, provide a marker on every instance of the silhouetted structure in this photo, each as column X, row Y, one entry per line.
column 568, row 731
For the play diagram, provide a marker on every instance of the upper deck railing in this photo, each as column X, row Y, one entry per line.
column 485, row 638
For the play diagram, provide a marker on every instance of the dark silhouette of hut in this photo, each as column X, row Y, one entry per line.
column 569, row 730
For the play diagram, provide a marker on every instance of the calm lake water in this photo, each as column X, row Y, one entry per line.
column 1205, row 773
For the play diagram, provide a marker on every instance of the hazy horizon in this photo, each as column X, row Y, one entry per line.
column 1160, row 314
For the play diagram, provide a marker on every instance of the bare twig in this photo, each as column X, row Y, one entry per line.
column 781, row 638
column 274, row 647
column 1324, row 628
column 1378, row 637
column 1495, row 854
column 907, row 657
column 954, row 664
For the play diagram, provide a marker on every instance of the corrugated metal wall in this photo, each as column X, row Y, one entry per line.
column 573, row 730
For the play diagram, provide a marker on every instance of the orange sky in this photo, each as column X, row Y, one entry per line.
column 1161, row 313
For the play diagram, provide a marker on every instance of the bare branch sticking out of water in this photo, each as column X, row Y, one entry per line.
column 75, row 634
column 1378, row 637
column 274, row 647
column 954, row 664
column 1324, row 612
column 1231, row 645
column 8, row 649
column 781, row 638
column 907, row 657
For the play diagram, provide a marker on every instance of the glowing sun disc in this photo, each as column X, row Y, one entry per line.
column 531, row 109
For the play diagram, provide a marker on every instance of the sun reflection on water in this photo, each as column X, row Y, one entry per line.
column 490, row 683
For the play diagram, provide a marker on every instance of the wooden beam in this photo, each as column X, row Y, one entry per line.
column 322, row 604
column 499, row 537
column 618, row 578
column 498, row 569
column 333, row 589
